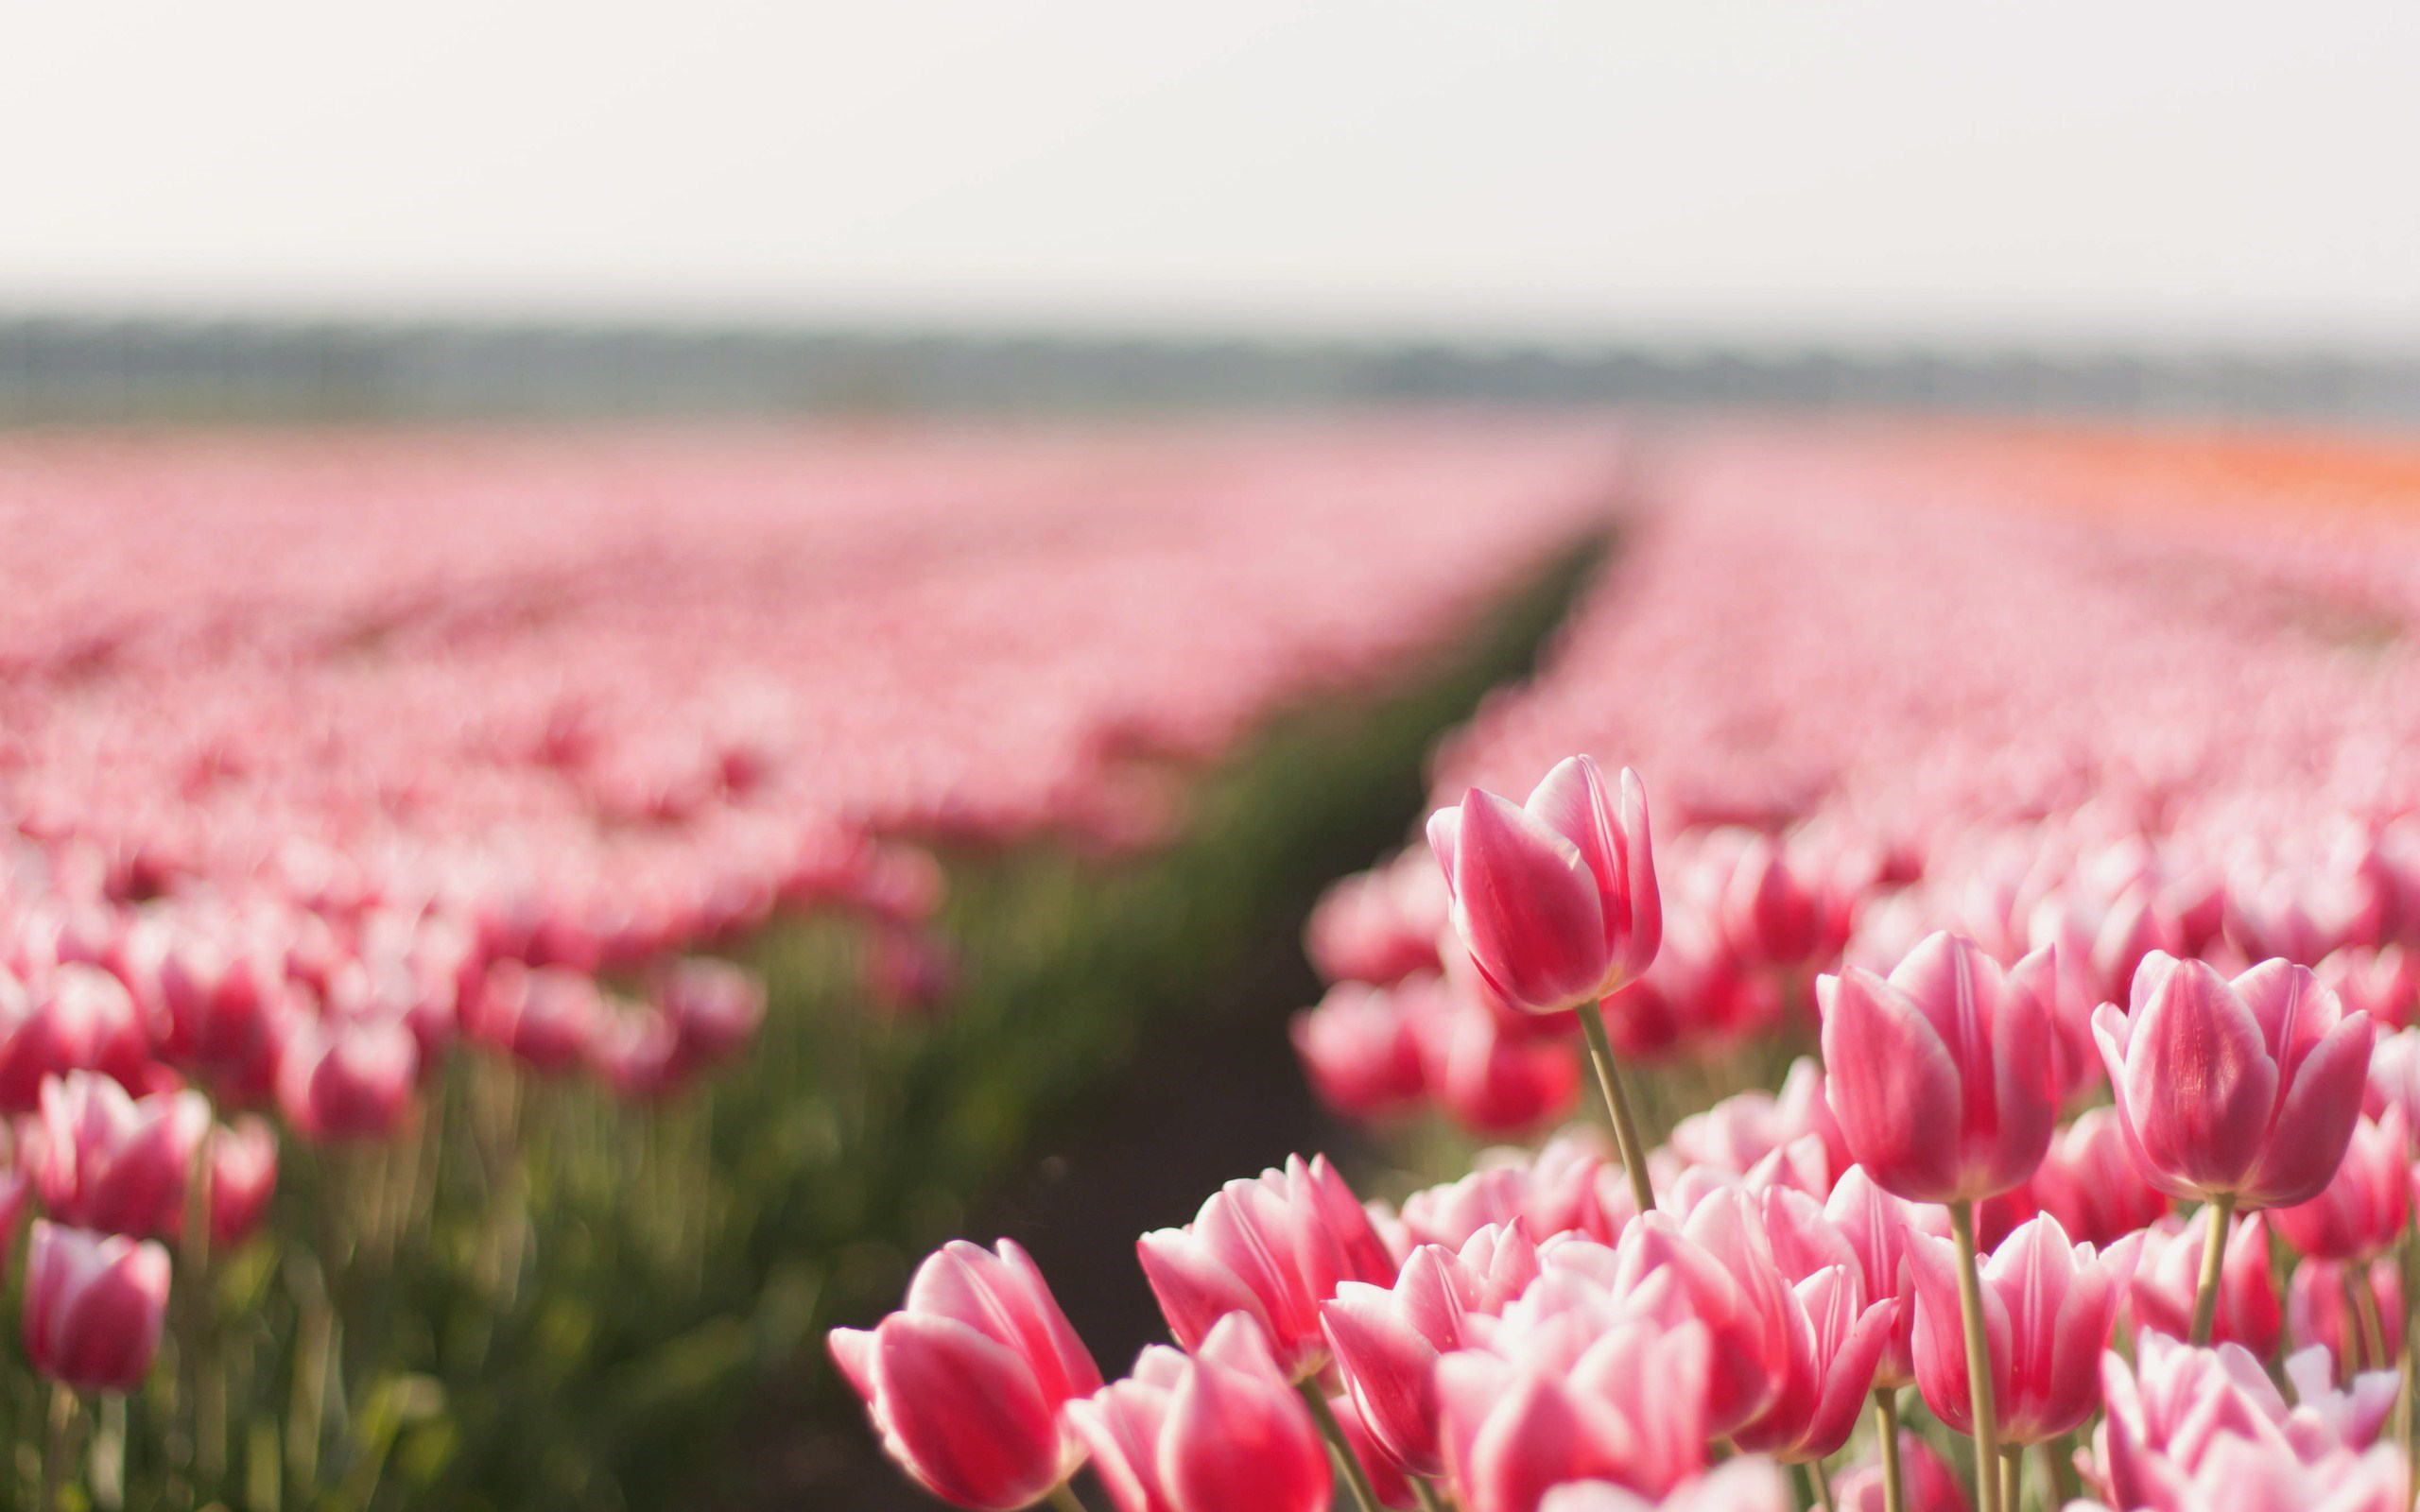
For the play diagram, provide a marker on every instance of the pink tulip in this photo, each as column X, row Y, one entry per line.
column 243, row 1178
column 1745, row 1484
column 1555, row 900
column 547, row 1018
column 1362, row 930
column 1390, row 1486
column 1837, row 1338
column 1567, row 1187
column 1931, row 1484
column 1219, row 1432
column 2394, row 1079
column 2319, row 1309
column 2194, row 1430
column 2362, row 1210
column 1386, row 1343
column 965, row 1382
column 1877, row 1233
column 2383, row 983
column 2246, row 1089
column 1274, row 1247
column 1717, row 1267
column 105, row 1160
column 1770, row 915
column 2169, row 1271
column 80, row 1018
column 714, row 1008
column 2091, row 1185
column 1487, row 1080
column 93, row 1306
column 1746, row 1127
column 2048, row 1308
column 1624, row 1405
column 221, row 1010
column 1941, row 1076
column 347, row 1080
column 1361, row 1052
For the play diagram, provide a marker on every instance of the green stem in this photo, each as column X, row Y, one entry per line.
column 2365, row 1313
column 1609, row 1080
column 1979, row 1361
column 1364, row 1495
column 54, row 1447
column 2214, row 1259
column 1429, row 1500
column 1886, row 1429
column 2012, row 1476
column 1823, row 1485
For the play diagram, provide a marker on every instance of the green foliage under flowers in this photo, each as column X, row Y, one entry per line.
column 545, row 1299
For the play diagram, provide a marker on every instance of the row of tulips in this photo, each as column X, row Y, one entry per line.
column 358, row 1045
column 1567, row 1331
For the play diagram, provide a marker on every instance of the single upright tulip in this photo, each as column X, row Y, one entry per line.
column 1487, row 1080
column 1836, row 1337
column 347, row 1078
column 1942, row 1073
column 93, row 1306
column 1387, row 1342
column 1219, row 1432
column 60, row 1027
column 965, row 1382
column 2354, row 1311
column 1361, row 1052
column 547, row 1018
column 2090, row 1183
column 105, row 1160
column 2242, row 1091
column 1555, row 899
column 243, row 1178
column 1717, row 1267
column 1872, row 1230
column 2047, row 1307
column 2361, row 1212
column 219, row 1012
column 1275, row 1248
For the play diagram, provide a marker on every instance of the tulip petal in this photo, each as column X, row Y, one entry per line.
column 1892, row 1086
column 1527, row 906
column 2198, row 1084
column 2315, row 1120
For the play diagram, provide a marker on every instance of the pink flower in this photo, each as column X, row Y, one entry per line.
column 2361, row 1210
column 1386, row 1343
column 2246, row 1088
column 964, row 1383
column 221, row 1012
column 93, row 1306
column 1744, row 1128
column 2191, row 1429
column 1219, row 1432
column 1391, row 1487
column 549, row 1018
column 76, row 1020
column 347, row 1078
column 243, row 1178
column 1361, row 1052
column 2170, row 1272
column 1274, row 1247
column 1624, row 1405
column 1871, row 1229
column 105, row 1160
column 1717, row 1267
column 714, row 1008
column 2394, row 1079
column 2320, row 1311
column 1567, row 1187
column 1837, row 1338
column 2091, row 1185
column 2047, row 1307
column 1486, row 1079
column 1941, row 1075
column 1554, row 899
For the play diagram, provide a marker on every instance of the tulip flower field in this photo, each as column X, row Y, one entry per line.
column 1933, row 951
column 506, row 933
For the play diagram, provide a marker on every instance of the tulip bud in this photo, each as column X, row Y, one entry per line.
column 2056, row 1303
column 93, row 1306
column 965, row 1382
column 243, row 1178
column 2246, row 1088
column 2362, row 1210
column 105, row 1160
column 347, row 1078
column 1942, row 1075
column 1359, row 1050
column 1555, row 900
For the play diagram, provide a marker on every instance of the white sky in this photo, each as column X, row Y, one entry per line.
column 2054, row 174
